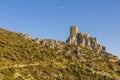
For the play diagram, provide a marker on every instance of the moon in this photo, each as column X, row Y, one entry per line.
column 61, row 7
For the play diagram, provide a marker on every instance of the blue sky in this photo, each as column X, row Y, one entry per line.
column 52, row 19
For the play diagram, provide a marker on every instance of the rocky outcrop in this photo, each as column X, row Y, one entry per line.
column 25, row 36
column 84, row 40
column 53, row 44
column 37, row 40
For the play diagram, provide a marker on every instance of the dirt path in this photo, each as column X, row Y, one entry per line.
column 24, row 65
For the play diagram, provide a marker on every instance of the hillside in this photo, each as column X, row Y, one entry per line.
column 23, row 58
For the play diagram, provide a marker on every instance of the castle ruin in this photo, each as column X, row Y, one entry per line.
column 73, row 30
column 84, row 40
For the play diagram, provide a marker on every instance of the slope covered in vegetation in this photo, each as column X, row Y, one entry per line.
column 23, row 59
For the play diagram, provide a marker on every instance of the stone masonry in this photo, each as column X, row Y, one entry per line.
column 84, row 40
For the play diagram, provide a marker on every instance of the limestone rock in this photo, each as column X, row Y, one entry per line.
column 37, row 40
column 53, row 44
column 84, row 40
column 26, row 36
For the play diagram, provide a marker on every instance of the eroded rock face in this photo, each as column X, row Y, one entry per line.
column 84, row 40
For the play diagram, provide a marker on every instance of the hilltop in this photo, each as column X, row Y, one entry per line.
column 23, row 58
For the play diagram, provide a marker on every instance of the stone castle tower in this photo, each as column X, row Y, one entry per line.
column 73, row 34
column 84, row 40
column 73, row 30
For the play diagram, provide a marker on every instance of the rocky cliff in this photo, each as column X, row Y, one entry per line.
column 84, row 40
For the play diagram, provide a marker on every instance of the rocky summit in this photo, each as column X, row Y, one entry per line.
column 84, row 40
column 79, row 58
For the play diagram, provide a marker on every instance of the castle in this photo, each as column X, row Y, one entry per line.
column 75, row 37
column 84, row 40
